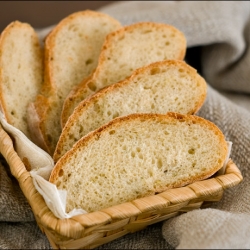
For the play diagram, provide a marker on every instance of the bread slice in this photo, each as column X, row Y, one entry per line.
column 138, row 155
column 72, row 49
column 125, row 50
column 21, row 72
column 161, row 87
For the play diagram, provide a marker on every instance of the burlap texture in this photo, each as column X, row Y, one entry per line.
column 218, row 36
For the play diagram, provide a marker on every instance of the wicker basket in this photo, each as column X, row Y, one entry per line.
column 97, row 228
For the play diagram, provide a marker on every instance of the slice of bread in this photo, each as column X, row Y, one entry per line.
column 21, row 72
column 72, row 50
column 157, row 88
column 138, row 155
column 125, row 50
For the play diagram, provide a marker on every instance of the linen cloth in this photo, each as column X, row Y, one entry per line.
column 218, row 39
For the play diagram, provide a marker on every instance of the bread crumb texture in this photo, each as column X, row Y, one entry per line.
column 161, row 87
column 21, row 72
column 138, row 155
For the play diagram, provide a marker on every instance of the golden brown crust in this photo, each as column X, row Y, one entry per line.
column 83, row 90
column 170, row 117
column 5, row 33
column 83, row 105
column 50, row 44
column 49, row 89
column 129, row 28
column 39, row 54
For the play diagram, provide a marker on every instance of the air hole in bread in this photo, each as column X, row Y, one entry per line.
column 97, row 137
column 147, row 31
column 89, row 61
column 111, row 132
column 155, row 71
column 166, row 133
column 167, row 43
column 159, row 163
column 96, row 107
column 71, row 136
column 60, row 173
column 165, row 171
column 116, row 114
column 12, row 112
column 146, row 87
column 191, row 151
column 75, row 28
column 150, row 172
column 133, row 154
column 80, row 129
column 92, row 86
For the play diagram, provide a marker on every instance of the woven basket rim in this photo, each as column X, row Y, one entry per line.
column 74, row 226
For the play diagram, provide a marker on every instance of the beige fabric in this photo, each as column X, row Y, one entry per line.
column 218, row 35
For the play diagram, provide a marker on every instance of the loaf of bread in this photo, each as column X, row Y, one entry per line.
column 138, row 155
column 125, row 50
column 21, row 67
column 160, row 87
column 72, row 50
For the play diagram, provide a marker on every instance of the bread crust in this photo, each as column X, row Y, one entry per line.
column 170, row 119
column 31, row 83
column 47, row 127
column 91, row 85
column 170, row 116
column 82, row 108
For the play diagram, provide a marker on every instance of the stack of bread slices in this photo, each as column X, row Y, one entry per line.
column 113, row 105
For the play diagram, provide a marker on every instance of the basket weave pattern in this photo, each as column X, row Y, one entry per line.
column 97, row 228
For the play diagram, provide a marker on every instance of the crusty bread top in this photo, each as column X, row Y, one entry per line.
column 72, row 49
column 21, row 72
column 125, row 50
column 160, row 87
column 137, row 155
